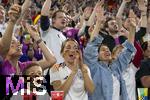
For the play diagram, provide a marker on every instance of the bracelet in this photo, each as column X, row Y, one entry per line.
column 39, row 41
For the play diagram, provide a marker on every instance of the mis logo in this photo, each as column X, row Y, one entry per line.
column 22, row 82
column 142, row 93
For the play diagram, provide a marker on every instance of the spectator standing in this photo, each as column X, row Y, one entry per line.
column 107, row 74
column 53, row 35
column 73, row 76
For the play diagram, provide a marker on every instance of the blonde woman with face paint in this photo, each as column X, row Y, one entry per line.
column 72, row 77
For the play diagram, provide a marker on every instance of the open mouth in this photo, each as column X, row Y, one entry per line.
column 107, row 54
column 63, row 22
column 71, row 56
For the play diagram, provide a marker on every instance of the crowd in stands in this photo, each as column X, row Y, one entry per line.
column 89, row 49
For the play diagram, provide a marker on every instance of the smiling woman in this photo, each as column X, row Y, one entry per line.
column 70, row 50
column 73, row 77
column 11, row 65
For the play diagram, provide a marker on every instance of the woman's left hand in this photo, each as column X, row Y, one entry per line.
column 80, row 59
column 32, row 31
column 82, row 66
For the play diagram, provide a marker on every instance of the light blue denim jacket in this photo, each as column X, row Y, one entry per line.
column 102, row 74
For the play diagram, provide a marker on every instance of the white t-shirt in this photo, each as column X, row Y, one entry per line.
column 129, row 77
column 54, row 40
column 77, row 89
column 116, row 88
column 146, row 37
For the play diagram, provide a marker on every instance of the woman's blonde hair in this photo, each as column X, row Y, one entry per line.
column 64, row 43
column 115, row 50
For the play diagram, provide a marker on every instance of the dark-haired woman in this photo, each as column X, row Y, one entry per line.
column 107, row 74
column 143, row 74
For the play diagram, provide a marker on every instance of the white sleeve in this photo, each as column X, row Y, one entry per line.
column 133, row 68
column 89, row 73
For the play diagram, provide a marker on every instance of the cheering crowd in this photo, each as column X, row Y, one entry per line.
column 89, row 49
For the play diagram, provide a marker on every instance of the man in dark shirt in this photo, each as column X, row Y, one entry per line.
column 143, row 75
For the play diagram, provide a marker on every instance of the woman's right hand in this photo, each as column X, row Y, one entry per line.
column 32, row 31
column 75, row 66
column 14, row 12
column 100, row 13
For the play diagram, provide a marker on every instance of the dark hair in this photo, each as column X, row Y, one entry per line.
column 29, row 66
column 55, row 13
column 107, row 20
column 64, row 43
column 100, row 48
column 144, row 45
column 103, row 44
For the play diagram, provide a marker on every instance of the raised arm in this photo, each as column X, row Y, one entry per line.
column 132, row 30
column 92, row 17
column 46, row 8
column 143, row 21
column 82, row 29
column 138, row 56
column 24, row 9
column 88, row 83
column 5, row 41
column 83, row 23
column 44, row 21
column 126, row 55
column 91, row 53
column 49, row 59
column 99, row 22
column 148, row 19
column 91, row 50
column 143, row 9
column 120, row 12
